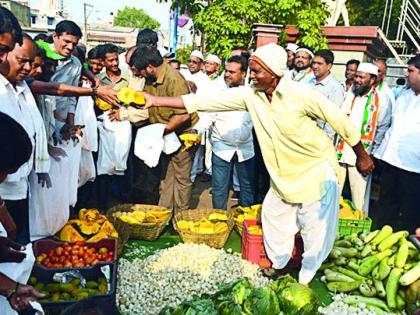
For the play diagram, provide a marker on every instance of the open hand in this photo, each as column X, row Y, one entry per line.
column 11, row 251
column 114, row 115
column 56, row 153
column 23, row 295
column 44, row 180
column 149, row 100
column 108, row 94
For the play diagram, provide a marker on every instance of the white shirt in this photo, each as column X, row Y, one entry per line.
column 401, row 144
column 203, row 84
column 356, row 116
column 232, row 133
column 13, row 103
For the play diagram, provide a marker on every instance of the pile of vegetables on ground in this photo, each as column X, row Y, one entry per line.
column 177, row 274
column 282, row 296
column 91, row 226
column 377, row 269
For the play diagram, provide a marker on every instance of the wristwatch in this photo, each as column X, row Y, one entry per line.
column 13, row 291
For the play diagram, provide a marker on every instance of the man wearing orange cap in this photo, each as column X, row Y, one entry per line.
column 299, row 156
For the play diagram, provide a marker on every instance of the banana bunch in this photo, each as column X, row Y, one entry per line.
column 189, row 140
column 348, row 211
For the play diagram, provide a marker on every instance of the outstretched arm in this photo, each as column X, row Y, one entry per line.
column 107, row 93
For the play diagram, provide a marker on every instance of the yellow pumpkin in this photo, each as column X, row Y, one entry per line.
column 97, row 238
column 70, row 234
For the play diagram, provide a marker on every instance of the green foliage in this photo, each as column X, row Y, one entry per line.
column 370, row 12
column 227, row 23
column 183, row 54
column 132, row 17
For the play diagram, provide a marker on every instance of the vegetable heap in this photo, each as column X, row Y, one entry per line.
column 139, row 217
column 215, row 223
column 91, row 226
column 375, row 267
column 282, row 296
column 176, row 274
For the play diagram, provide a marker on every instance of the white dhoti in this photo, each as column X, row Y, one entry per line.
column 359, row 186
column 317, row 223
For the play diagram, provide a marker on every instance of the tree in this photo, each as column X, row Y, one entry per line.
column 138, row 18
column 183, row 54
column 227, row 23
column 370, row 12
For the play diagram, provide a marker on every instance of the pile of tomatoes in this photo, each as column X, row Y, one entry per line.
column 74, row 255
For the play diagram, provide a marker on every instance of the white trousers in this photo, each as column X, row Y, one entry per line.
column 317, row 223
column 359, row 185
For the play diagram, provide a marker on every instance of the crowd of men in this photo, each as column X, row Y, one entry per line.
column 274, row 124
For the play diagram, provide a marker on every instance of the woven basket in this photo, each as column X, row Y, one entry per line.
column 216, row 240
column 142, row 231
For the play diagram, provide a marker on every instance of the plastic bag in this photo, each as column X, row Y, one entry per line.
column 49, row 207
column 85, row 115
column 87, row 170
column 114, row 146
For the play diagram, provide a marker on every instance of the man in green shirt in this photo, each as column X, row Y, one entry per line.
column 300, row 158
column 112, row 74
column 162, row 80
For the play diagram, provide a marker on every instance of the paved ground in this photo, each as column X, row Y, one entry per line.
column 201, row 197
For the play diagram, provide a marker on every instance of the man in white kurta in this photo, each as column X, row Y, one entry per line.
column 19, row 103
column 371, row 114
column 400, row 153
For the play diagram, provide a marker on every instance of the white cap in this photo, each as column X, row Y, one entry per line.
column 292, row 47
column 213, row 58
column 271, row 57
column 307, row 50
column 197, row 53
column 368, row 68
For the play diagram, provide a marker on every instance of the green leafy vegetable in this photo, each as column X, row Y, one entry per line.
column 298, row 299
column 262, row 301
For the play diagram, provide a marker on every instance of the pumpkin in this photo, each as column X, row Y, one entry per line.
column 70, row 234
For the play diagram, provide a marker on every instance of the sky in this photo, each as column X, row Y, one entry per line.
column 102, row 9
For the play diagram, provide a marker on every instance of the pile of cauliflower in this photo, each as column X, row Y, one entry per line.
column 176, row 274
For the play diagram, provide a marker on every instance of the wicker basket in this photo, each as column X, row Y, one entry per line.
column 142, row 231
column 216, row 240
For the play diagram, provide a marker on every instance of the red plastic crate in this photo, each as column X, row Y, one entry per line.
column 253, row 247
column 44, row 245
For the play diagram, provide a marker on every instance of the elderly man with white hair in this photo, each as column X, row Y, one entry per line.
column 212, row 66
column 299, row 156
column 371, row 114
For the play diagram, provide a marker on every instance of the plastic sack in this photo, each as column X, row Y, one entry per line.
column 87, row 170
column 85, row 115
column 114, row 146
column 49, row 207
column 149, row 144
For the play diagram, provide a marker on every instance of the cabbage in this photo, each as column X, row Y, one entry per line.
column 262, row 301
column 297, row 299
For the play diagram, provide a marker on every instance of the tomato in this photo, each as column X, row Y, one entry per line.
column 108, row 259
column 68, row 264
column 59, row 250
column 66, row 253
column 111, row 253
